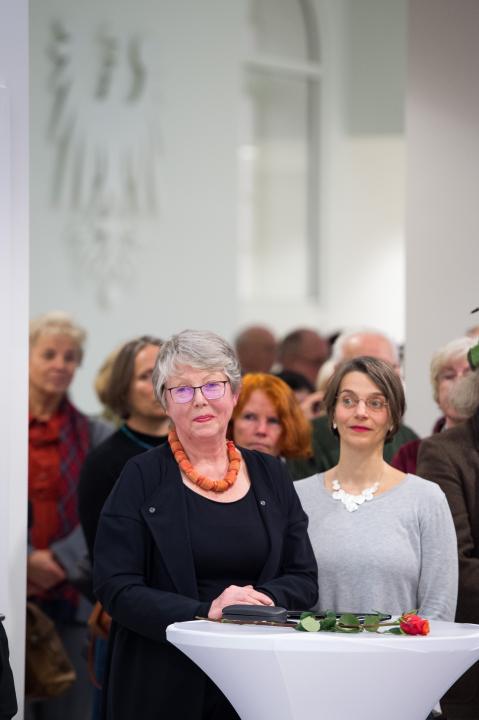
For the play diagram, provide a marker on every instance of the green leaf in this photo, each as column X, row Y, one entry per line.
column 349, row 619
column 310, row 624
column 328, row 623
column 330, row 614
column 395, row 631
column 371, row 623
column 341, row 628
column 306, row 614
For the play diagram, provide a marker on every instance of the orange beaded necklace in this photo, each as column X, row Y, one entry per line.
column 205, row 483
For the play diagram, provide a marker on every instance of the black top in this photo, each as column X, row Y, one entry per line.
column 225, row 535
column 8, row 700
column 145, row 577
column 101, row 470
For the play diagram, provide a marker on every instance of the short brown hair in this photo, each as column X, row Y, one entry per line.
column 115, row 393
column 382, row 375
column 295, row 440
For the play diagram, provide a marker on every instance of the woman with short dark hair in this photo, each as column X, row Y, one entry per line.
column 383, row 540
column 127, row 394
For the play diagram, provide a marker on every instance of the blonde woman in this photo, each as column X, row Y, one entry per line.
column 59, row 438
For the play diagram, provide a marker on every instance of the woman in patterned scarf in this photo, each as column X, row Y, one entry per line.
column 59, row 439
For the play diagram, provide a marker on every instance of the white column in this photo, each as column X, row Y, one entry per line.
column 442, row 226
column 13, row 323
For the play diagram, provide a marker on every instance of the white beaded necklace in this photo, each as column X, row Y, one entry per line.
column 352, row 502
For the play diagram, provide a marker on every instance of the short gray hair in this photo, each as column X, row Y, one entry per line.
column 464, row 395
column 454, row 350
column 201, row 349
column 58, row 322
column 337, row 351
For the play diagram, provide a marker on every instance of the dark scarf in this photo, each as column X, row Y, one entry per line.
column 74, row 444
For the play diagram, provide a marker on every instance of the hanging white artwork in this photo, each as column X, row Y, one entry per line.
column 103, row 128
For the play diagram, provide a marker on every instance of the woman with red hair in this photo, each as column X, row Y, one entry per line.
column 268, row 417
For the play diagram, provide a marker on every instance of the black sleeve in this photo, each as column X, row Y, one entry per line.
column 296, row 585
column 8, row 698
column 119, row 566
column 96, row 483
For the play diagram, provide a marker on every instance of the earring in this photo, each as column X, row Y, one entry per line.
column 335, row 427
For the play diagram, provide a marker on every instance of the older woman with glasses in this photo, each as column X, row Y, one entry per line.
column 383, row 540
column 448, row 366
column 190, row 528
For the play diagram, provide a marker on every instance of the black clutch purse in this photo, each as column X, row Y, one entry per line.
column 255, row 613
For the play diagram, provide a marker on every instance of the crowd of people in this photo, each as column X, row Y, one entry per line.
column 268, row 473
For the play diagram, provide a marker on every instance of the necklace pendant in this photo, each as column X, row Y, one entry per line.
column 350, row 501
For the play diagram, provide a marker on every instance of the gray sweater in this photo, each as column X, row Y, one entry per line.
column 396, row 553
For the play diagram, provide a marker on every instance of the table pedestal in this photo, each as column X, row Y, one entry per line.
column 280, row 674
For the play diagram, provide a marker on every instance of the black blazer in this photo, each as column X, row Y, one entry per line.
column 144, row 576
column 8, row 699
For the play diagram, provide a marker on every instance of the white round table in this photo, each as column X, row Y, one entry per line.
column 279, row 674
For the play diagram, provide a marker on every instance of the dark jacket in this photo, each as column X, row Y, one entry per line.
column 101, row 470
column 144, row 575
column 326, row 449
column 405, row 459
column 8, row 699
column 451, row 459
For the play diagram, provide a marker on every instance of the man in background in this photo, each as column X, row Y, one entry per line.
column 303, row 351
column 325, row 444
column 256, row 349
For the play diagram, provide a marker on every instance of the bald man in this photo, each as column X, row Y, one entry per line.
column 365, row 342
column 325, row 444
column 256, row 349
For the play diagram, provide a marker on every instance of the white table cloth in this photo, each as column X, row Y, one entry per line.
column 280, row 674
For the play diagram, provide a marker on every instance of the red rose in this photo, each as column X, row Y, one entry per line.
column 413, row 624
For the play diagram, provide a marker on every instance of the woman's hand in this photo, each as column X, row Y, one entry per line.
column 236, row 595
column 43, row 571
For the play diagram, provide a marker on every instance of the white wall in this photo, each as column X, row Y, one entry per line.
column 361, row 200
column 14, row 322
column 442, row 183
column 180, row 271
column 193, row 52
column 364, row 45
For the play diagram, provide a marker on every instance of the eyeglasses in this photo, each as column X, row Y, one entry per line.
column 350, row 402
column 452, row 375
column 210, row 391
